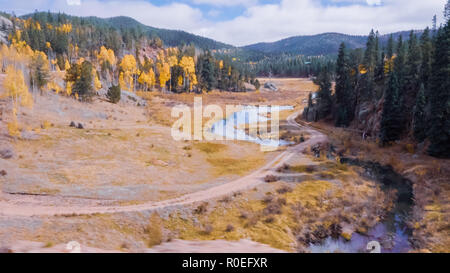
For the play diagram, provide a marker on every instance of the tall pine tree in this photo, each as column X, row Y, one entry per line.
column 345, row 107
column 420, row 117
column 391, row 118
column 439, row 134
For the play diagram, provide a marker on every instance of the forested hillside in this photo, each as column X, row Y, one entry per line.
column 316, row 45
column 392, row 92
column 129, row 29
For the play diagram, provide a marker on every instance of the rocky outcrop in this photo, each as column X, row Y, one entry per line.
column 131, row 98
column 270, row 86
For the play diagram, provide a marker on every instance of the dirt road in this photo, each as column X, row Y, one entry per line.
column 16, row 205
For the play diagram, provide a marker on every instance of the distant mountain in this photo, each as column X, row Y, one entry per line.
column 169, row 37
column 321, row 44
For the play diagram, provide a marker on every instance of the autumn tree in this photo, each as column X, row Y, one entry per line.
column 128, row 72
column 17, row 90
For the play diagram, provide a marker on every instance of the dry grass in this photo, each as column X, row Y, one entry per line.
column 227, row 165
column 210, row 148
column 154, row 230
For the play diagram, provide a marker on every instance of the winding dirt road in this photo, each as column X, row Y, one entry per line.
column 42, row 206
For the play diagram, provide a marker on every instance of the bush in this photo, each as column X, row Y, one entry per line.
column 270, row 178
column 208, row 230
column 113, row 94
column 202, row 208
column 229, row 228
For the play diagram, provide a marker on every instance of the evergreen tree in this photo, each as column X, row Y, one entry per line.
column 81, row 77
column 427, row 55
column 324, row 98
column 114, row 94
column 439, row 134
column 390, row 47
column 447, row 10
column 391, row 117
column 206, row 71
column 412, row 79
column 343, row 89
column 419, row 120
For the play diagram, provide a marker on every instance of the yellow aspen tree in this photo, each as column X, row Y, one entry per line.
column 188, row 65
column 144, row 79
column 97, row 83
column 122, row 81
column 16, row 89
column 129, row 68
column 164, row 74
column 152, row 78
column 69, row 88
column 66, row 65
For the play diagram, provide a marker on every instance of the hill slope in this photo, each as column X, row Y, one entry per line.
column 169, row 37
column 321, row 44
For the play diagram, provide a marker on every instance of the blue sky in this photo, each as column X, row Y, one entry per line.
column 241, row 22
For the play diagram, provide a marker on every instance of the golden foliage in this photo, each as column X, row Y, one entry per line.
column 15, row 87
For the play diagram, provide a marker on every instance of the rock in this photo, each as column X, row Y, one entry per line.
column 271, row 86
column 29, row 135
column 3, row 173
column 73, row 124
column 6, row 153
column 249, row 87
column 131, row 98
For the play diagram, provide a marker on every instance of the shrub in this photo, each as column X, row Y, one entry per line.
column 283, row 168
column 208, row 229
column 270, row 179
column 202, row 208
column 114, row 94
column 284, row 189
column 229, row 228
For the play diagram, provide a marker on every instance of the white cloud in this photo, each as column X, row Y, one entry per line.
column 260, row 22
column 301, row 17
column 73, row 2
column 226, row 3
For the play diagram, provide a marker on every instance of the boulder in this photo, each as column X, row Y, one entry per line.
column 6, row 153
column 271, row 86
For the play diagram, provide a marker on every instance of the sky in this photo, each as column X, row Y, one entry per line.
column 243, row 22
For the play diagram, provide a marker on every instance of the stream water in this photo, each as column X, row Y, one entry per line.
column 230, row 128
column 392, row 233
